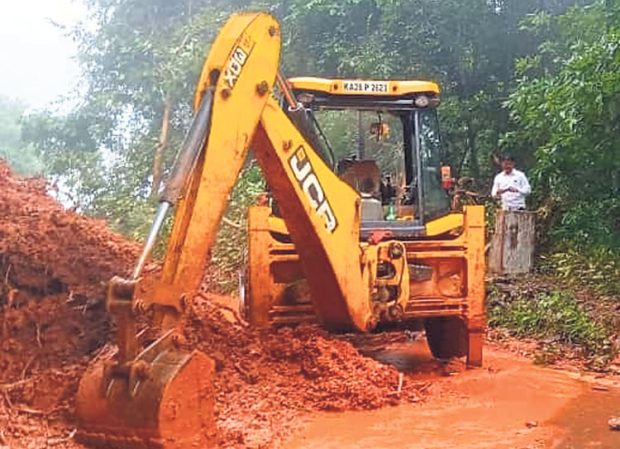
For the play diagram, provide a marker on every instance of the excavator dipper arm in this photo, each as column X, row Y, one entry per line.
column 162, row 395
column 321, row 213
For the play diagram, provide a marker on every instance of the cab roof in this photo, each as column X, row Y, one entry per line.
column 363, row 87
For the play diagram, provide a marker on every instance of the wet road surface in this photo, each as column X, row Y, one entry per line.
column 508, row 404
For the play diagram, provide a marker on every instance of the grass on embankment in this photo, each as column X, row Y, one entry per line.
column 561, row 321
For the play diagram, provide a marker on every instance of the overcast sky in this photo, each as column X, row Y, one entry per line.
column 36, row 63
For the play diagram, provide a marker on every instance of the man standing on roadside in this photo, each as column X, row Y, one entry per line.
column 511, row 185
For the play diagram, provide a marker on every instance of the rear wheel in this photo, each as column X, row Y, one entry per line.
column 447, row 337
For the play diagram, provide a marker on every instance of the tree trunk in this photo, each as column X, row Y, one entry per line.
column 158, row 156
column 513, row 244
column 474, row 165
column 361, row 144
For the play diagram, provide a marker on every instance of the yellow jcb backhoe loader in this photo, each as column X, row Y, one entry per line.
column 352, row 242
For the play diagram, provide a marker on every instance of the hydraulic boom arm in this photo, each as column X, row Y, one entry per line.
column 320, row 210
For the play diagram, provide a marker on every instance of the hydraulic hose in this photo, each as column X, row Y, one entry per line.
column 184, row 164
column 190, row 150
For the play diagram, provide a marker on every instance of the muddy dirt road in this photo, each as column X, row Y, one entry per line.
column 510, row 404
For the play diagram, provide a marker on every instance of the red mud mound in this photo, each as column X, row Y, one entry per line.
column 266, row 379
column 53, row 266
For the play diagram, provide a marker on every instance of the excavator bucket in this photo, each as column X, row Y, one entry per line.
column 163, row 400
column 161, row 397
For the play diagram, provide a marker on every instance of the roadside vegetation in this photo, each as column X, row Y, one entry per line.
column 565, row 324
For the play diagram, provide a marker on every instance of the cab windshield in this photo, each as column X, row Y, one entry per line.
column 383, row 155
column 435, row 200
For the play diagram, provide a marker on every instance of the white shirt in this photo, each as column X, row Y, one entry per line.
column 516, row 179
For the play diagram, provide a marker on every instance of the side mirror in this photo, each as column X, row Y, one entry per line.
column 447, row 181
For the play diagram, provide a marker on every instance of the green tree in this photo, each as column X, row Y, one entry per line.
column 567, row 108
column 20, row 156
column 469, row 47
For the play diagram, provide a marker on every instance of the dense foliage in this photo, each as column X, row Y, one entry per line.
column 536, row 77
column 566, row 112
column 567, row 108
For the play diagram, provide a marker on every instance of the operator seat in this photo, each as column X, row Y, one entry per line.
column 365, row 178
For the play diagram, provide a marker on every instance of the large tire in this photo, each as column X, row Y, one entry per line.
column 447, row 337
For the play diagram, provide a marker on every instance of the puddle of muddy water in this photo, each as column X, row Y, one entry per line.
column 509, row 404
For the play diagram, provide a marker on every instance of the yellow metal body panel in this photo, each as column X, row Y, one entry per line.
column 363, row 87
column 237, row 32
column 278, row 292
column 444, row 224
column 277, row 224
column 195, row 227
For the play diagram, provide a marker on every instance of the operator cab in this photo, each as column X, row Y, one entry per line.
column 382, row 138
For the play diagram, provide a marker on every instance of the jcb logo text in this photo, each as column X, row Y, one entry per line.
column 309, row 183
column 234, row 67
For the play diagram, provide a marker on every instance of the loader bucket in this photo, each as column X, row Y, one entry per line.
column 164, row 401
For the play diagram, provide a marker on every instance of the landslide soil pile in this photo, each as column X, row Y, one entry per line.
column 53, row 267
column 267, row 379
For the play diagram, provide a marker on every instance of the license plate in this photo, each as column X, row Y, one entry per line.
column 366, row 87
